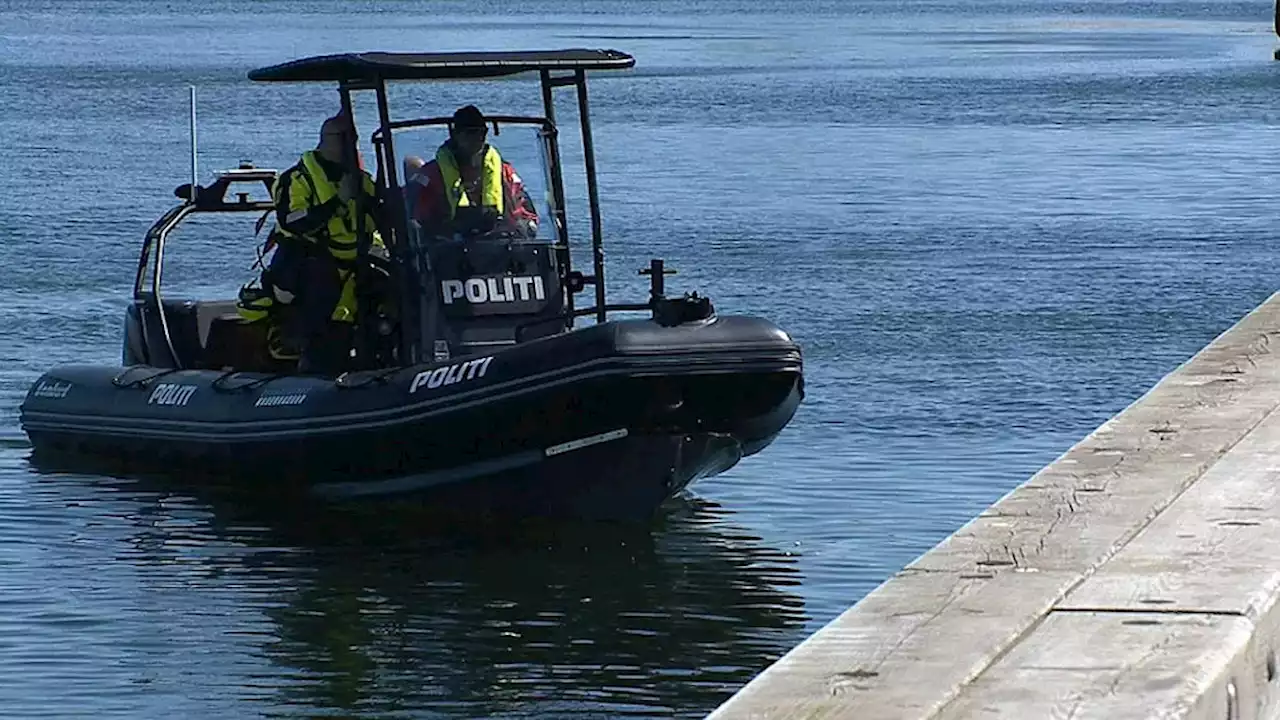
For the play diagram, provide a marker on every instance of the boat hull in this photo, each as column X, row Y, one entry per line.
column 604, row 422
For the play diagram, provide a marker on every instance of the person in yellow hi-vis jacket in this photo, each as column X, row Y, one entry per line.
column 468, row 189
column 312, row 272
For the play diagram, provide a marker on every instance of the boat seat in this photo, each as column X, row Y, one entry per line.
column 207, row 311
column 211, row 335
column 181, row 316
column 236, row 344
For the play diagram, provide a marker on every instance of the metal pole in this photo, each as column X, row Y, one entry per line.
column 589, row 157
column 194, row 174
column 548, row 104
column 350, row 151
column 557, row 179
column 404, row 250
column 559, row 216
column 155, row 285
column 1276, row 26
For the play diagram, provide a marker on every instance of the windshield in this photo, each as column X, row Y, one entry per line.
column 521, row 146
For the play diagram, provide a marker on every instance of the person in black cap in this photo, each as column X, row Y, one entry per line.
column 468, row 188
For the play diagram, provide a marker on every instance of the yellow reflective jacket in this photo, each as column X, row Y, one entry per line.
column 304, row 196
column 304, row 208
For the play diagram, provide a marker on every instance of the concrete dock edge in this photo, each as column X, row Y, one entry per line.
column 1136, row 576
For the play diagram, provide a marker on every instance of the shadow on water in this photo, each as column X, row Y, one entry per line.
column 374, row 612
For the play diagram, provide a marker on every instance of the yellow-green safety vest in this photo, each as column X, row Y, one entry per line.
column 491, row 194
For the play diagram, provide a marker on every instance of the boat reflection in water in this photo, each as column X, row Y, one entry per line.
column 371, row 613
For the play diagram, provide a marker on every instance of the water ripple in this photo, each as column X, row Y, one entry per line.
column 991, row 226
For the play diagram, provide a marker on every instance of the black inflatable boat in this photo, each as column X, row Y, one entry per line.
column 492, row 399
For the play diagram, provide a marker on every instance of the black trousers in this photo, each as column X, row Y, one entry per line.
column 313, row 279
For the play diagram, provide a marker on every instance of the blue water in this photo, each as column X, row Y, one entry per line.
column 990, row 225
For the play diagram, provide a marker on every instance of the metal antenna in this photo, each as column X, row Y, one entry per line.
column 194, row 185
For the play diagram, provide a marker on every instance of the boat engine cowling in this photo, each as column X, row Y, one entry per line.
column 487, row 288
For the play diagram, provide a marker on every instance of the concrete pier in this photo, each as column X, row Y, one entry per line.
column 1136, row 576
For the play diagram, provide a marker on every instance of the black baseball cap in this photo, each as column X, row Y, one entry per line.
column 468, row 116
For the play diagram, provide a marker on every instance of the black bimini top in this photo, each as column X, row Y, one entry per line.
column 373, row 66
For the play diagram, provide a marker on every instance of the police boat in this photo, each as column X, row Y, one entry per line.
column 483, row 389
